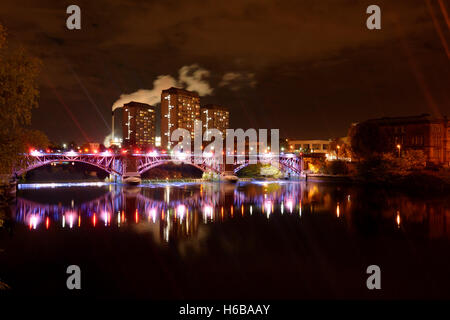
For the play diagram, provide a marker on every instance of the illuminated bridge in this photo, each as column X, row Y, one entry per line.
column 120, row 165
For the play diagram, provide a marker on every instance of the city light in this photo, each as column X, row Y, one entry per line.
column 181, row 209
column 152, row 154
column 34, row 220
column 208, row 211
column 71, row 153
column 152, row 214
column 181, row 155
column 290, row 205
column 35, row 153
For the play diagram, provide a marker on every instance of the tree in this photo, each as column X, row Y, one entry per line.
column 368, row 140
column 340, row 148
column 270, row 171
column 412, row 160
column 337, row 167
column 18, row 96
column 284, row 145
column 252, row 170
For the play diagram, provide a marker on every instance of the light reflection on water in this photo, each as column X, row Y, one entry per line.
column 250, row 240
column 174, row 211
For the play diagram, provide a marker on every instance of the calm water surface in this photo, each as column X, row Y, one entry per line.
column 250, row 240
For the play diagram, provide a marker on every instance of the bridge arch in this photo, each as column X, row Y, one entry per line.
column 285, row 166
column 38, row 164
column 151, row 165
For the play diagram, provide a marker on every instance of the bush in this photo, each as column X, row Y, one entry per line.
column 411, row 160
column 337, row 167
column 316, row 165
column 210, row 175
column 270, row 171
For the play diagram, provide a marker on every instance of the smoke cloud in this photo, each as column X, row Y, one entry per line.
column 236, row 80
column 189, row 77
column 192, row 76
column 147, row 96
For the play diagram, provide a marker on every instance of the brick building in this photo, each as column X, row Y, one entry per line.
column 424, row 132
column 215, row 117
column 179, row 109
column 138, row 124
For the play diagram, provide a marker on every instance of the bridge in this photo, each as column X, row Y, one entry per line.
column 120, row 165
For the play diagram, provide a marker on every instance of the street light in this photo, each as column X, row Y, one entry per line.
column 399, row 147
column 337, row 153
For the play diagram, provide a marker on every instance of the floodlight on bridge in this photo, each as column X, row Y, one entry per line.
column 152, row 154
column 71, row 153
column 181, row 156
column 35, row 153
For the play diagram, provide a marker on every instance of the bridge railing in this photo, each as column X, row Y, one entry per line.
column 114, row 163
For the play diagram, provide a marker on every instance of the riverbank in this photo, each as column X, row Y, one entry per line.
column 7, row 192
column 415, row 184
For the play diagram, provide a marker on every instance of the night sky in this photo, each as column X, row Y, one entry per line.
column 307, row 67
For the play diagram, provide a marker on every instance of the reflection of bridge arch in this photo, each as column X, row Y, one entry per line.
column 107, row 202
column 197, row 198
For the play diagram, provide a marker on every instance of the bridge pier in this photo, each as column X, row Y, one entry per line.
column 115, row 178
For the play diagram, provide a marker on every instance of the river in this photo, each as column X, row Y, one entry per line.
column 259, row 240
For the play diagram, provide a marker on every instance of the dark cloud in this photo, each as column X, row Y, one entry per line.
column 314, row 66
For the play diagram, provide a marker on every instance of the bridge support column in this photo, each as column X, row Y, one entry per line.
column 115, row 178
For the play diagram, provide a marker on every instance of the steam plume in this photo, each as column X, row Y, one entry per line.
column 189, row 77
column 147, row 96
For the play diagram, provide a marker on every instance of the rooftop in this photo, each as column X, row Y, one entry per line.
column 173, row 90
column 214, row 107
column 423, row 118
column 134, row 104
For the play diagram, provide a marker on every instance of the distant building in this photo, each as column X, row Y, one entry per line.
column 138, row 125
column 157, row 141
column 313, row 146
column 215, row 117
column 179, row 109
column 426, row 133
column 93, row 146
